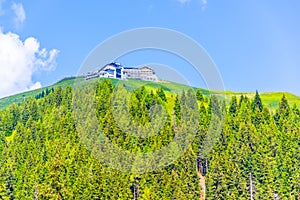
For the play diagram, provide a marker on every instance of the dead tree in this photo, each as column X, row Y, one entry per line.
column 202, row 165
column 135, row 188
column 276, row 196
column 202, row 168
column 35, row 194
column 252, row 188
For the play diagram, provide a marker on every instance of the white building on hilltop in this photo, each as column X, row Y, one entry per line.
column 116, row 70
column 112, row 70
column 143, row 73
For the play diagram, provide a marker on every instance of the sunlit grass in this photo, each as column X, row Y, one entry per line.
column 270, row 99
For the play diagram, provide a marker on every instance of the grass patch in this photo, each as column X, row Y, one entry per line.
column 270, row 99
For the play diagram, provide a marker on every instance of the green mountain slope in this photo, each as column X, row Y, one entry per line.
column 270, row 99
column 50, row 149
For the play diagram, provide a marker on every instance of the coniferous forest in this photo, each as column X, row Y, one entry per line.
column 256, row 155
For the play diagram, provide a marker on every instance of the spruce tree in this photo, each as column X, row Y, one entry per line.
column 284, row 108
column 199, row 95
column 233, row 106
column 257, row 103
column 161, row 94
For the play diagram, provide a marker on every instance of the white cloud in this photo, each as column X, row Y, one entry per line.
column 183, row 1
column 204, row 3
column 19, row 12
column 19, row 61
column 35, row 86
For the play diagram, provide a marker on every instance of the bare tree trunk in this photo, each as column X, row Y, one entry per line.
column 35, row 195
column 136, row 189
column 201, row 165
column 276, row 196
column 202, row 186
column 251, row 186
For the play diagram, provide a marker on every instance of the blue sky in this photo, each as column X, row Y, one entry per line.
column 255, row 44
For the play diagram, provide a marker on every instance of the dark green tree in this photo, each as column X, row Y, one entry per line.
column 257, row 103
column 233, row 106
column 161, row 94
column 199, row 95
column 284, row 108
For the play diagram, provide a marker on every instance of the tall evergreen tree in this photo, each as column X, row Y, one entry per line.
column 161, row 94
column 257, row 102
column 199, row 95
column 233, row 106
column 284, row 108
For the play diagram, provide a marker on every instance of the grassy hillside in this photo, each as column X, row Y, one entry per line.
column 18, row 98
column 270, row 99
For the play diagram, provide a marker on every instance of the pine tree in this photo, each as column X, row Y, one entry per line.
column 177, row 109
column 214, row 107
column 199, row 95
column 161, row 94
column 25, row 112
column 257, row 103
column 233, row 106
column 284, row 109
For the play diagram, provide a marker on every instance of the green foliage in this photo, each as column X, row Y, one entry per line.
column 270, row 99
column 233, row 106
column 42, row 156
column 257, row 102
column 177, row 109
column 161, row 94
column 199, row 95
